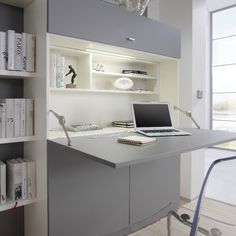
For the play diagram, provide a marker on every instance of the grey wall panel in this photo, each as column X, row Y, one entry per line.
column 85, row 197
column 12, row 221
column 153, row 185
column 11, row 18
column 98, row 21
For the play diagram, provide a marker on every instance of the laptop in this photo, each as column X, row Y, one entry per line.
column 154, row 120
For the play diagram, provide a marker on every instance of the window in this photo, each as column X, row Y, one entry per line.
column 224, row 71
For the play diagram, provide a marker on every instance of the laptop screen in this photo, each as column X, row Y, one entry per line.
column 151, row 115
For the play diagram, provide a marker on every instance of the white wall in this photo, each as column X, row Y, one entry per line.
column 214, row 5
column 192, row 18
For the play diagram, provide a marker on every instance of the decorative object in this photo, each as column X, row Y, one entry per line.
column 60, row 62
column 137, row 6
column 123, row 83
column 71, row 71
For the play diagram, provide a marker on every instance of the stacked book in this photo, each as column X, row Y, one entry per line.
column 17, row 180
column 17, row 51
column 16, row 117
column 123, row 124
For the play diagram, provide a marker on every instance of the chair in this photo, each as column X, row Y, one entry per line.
column 203, row 224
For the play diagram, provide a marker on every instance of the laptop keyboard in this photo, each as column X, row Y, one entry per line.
column 160, row 131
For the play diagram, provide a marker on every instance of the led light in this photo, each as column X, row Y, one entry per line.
column 109, row 53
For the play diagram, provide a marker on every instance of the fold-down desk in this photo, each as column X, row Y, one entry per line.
column 87, row 197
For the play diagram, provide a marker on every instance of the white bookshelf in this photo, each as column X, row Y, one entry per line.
column 17, row 139
column 11, row 205
column 67, row 91
column 16, row 74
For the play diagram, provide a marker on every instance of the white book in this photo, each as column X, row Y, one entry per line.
column 9, row 116
column 3, row 120
column 60, row 74
column 18, row 52
column 3, row 50
column 14, row 180
column 17, row 117
column 24, row 54
column 11, row 49
column 29, row 117
column 53, row 66
column 2, row 182
column 30, row 52
column 31, row 170
column 22, row 117
column 24, row 177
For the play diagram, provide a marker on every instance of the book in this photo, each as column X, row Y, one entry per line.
column 3, row 50
column 22, row 117
column 24, row 54
column 9, row 116
column 24, row 178
column 60, row 74
column 14, row 180
column 53, row 65
column 29, row 117
column 18, row 52
column 3, row 120
column 11, row 49
column 17, row 117
column 136, row 140
column 123, row 124
column 30, row 52
column 31, row 178
column 2, row 182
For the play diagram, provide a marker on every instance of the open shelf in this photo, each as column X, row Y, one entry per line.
column 15, row 74
column 134, row 76
column 17, row 139
column 67, row 90
column 12, row 204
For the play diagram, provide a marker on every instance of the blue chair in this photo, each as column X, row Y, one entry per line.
column 209, row 225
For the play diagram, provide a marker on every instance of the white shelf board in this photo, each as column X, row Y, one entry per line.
column 67, row 90
column 15, row 74
column 69, row 51
column 17, row 139
column 146, row 77
column 11, row 204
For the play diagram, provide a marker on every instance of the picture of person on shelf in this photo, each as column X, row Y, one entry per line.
column 71, row 71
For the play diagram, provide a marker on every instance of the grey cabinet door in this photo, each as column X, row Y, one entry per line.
column 154, row 189
column 85, row 198
column 98, row 21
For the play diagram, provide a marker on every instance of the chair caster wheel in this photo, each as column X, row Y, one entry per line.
column 185, row 217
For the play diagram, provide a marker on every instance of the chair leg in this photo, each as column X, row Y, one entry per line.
column 169, row 224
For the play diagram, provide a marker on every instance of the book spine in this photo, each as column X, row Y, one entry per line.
column 60, row 63
column 16, row 117
column 3, row 50
column 53, row 71
column 9, row 118
column 11, row 49
column 31, row 179
column 24, row 54
column 14, row 180
column 3, row 183
column 18, row 51
column 24, row 178
column 29, row 117
column 3, row 119
column 22, row 117
column 30, row 52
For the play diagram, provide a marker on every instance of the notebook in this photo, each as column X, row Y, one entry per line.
column 136, row 140
column 154, row 120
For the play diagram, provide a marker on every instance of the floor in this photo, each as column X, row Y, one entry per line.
column 219, row 205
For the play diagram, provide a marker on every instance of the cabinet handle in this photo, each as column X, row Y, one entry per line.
column 131, row 39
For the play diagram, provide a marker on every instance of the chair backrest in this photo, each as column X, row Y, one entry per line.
column 199, row 202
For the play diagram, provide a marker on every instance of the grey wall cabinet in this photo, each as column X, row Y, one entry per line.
column 85, row 197
column 98, row 21
column 154, row 190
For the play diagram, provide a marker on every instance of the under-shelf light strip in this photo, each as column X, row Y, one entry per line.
column 109, row 53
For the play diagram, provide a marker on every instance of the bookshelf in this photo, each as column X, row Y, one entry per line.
column 11, row 205
column 7, row 74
